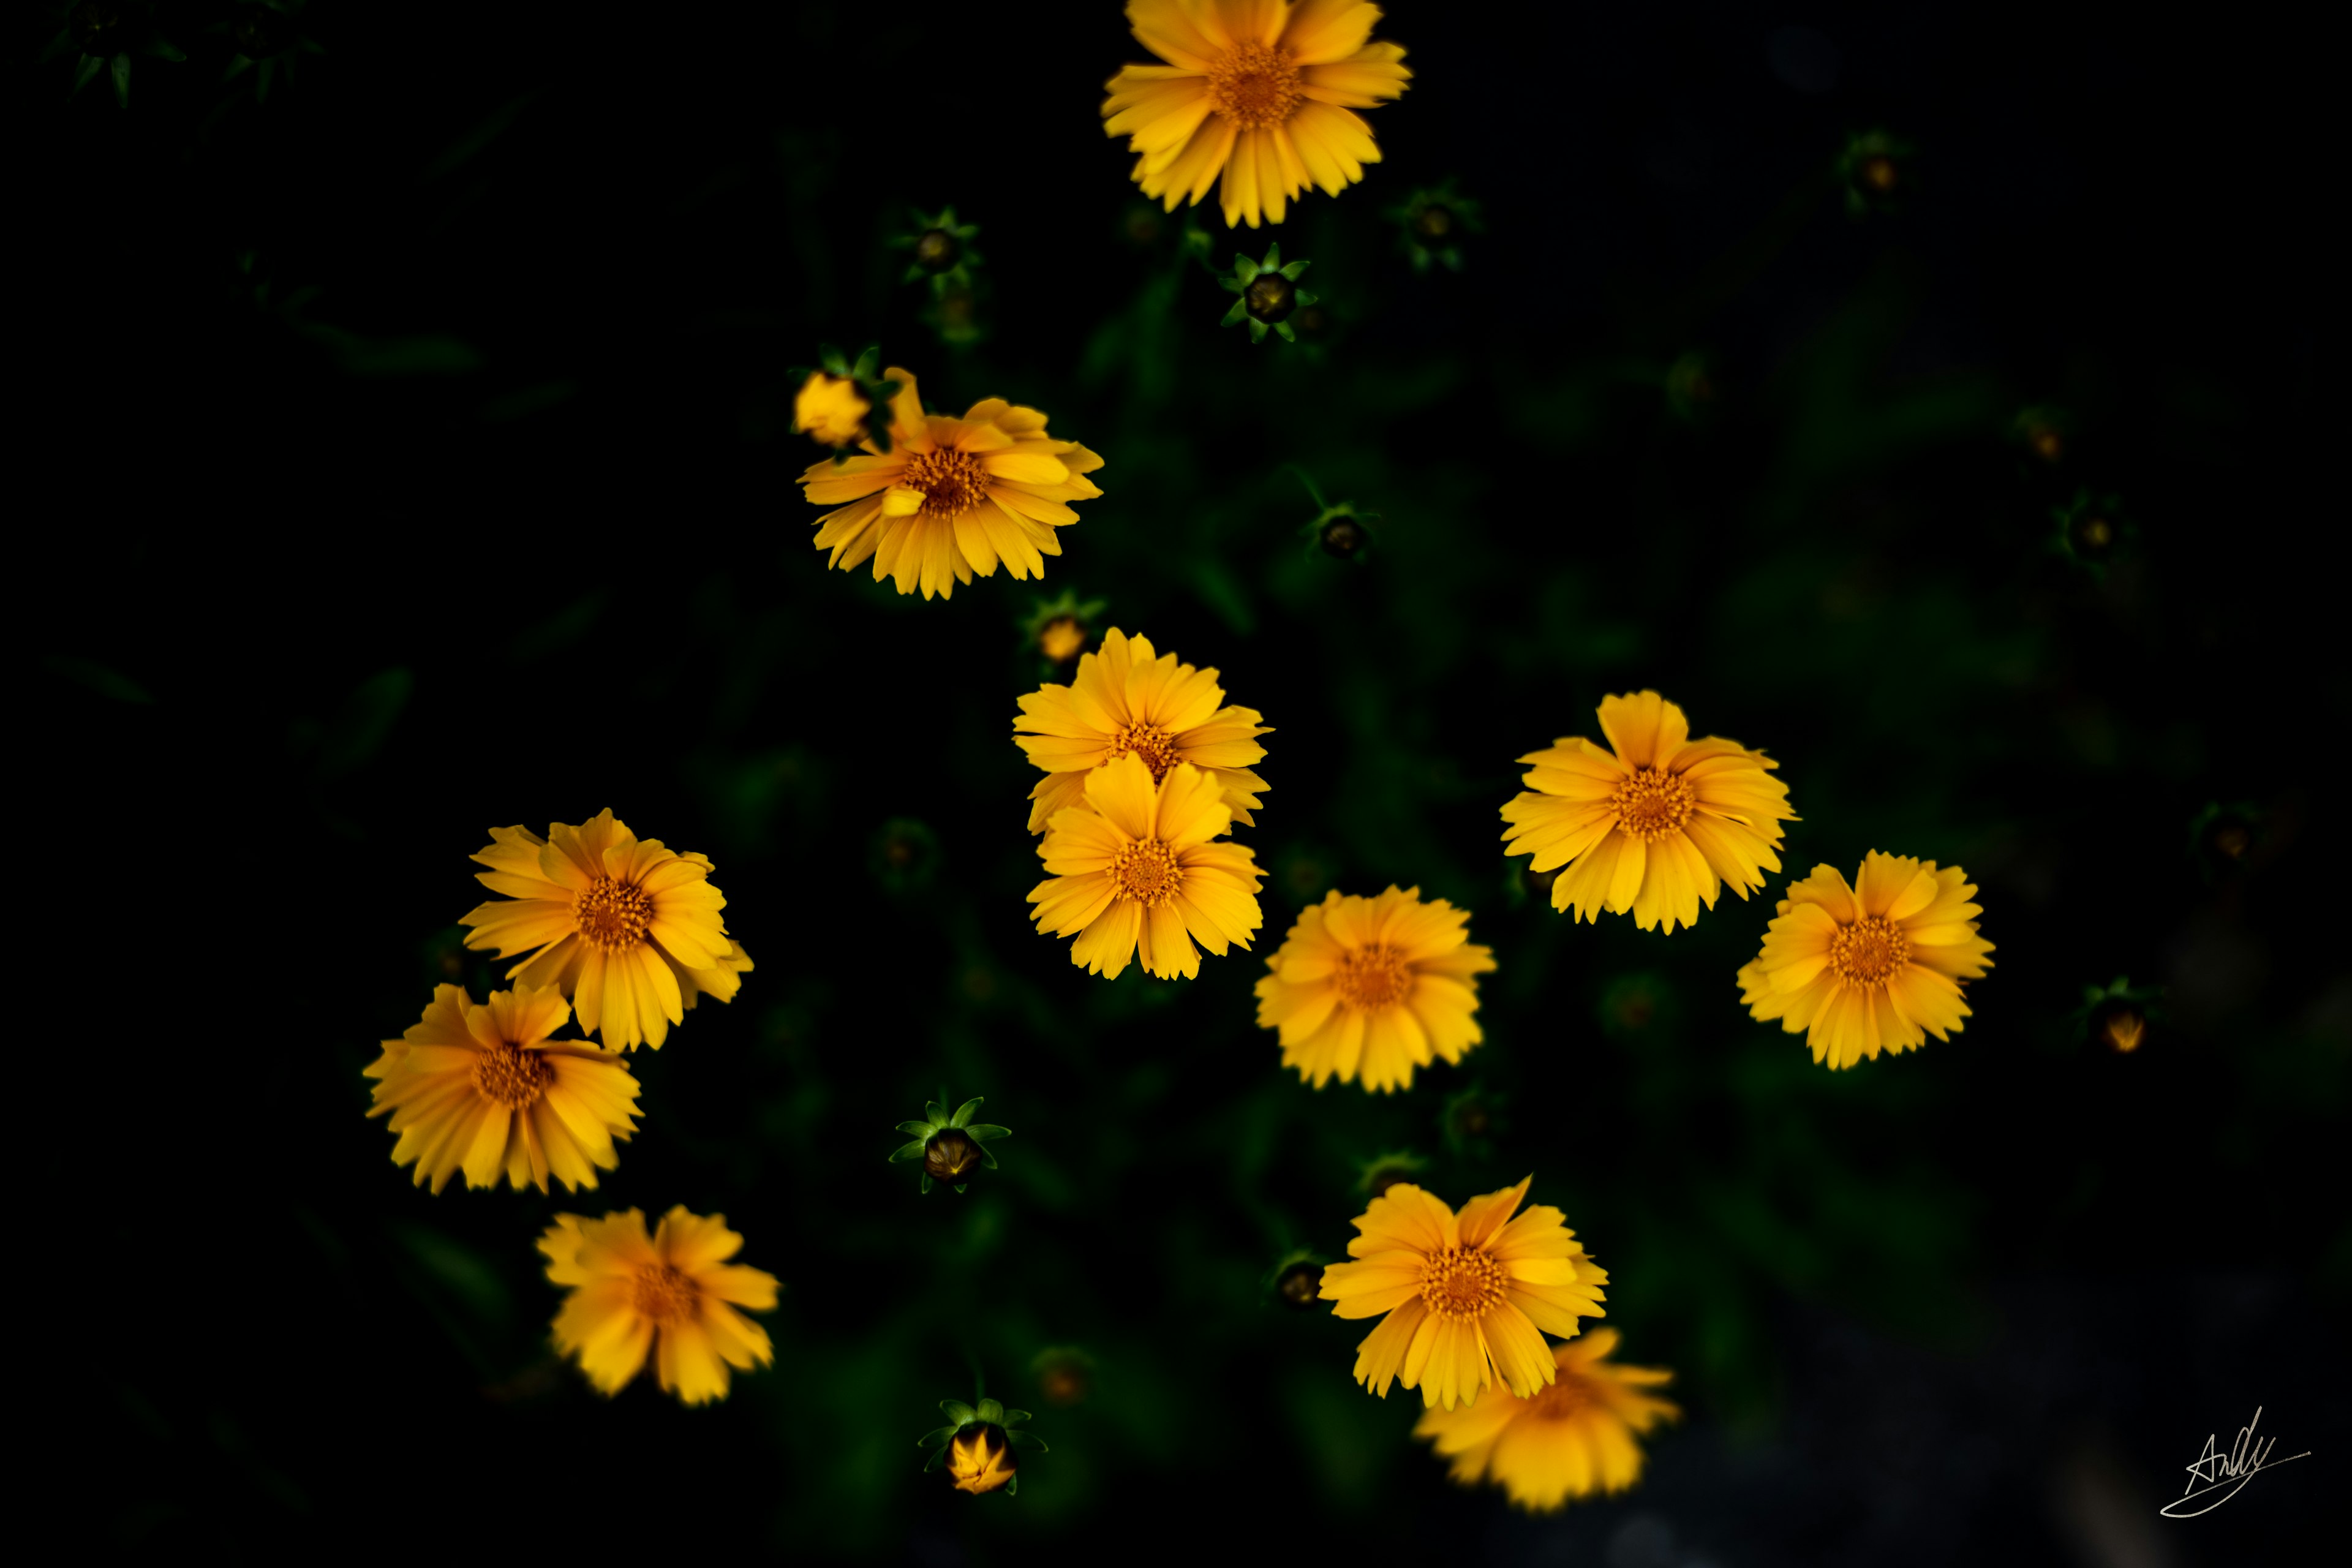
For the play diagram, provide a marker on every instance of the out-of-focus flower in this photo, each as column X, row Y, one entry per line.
column 484, row 1089
column 830, row 408
column 1572, row 1439
column 1297, row 1279
column 952, row 497
column 672, row 1295
column 1130, row 699
column 904, row 856
column 629, row 930
column 1465, row 1300
column 1431, row 224
column 1877, row 170
column 1257, row 99
column 2091, row 530
column 1373, row 988
column 1385, row 1170
column 941, row 250
column 1061, row 627
column 1877, row 965
column 2042, row 431
column 1654, row 824
column 1132, row 873
column 1064, row 1374
column 951, row 1148
column 2117, row 1015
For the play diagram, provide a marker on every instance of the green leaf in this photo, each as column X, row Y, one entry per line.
column 963, row 1112
column 165, row 49
column 957, row 1411
column 97, row 677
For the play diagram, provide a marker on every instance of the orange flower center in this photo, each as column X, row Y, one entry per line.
column 1254, row 86
column 665, row 1294
column 1867, row 952
column 1373, row 976
column 1155, row 745
column 1560, row 1400
column 513, row 1077
column 613, row 915
column 952, row 482
column 1652, row 805
column 1461, row 1283
column 1146, row 870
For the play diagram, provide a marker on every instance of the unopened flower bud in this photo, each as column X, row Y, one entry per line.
column 830, row 408
column 949, row 1157
column 2122, row 1027
column 1343, row 536
column 936, row 251
column 1296, row 1285
column 1061, row 639
column 1270, row 297
column 100, row 27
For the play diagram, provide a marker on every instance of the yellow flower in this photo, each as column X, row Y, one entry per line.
column 952, row 497
column 1573, row 1438
column 1133, row 868
column 672, row 1294
column 1467, row 1296
column 1374, row 985
column 1877, row 966
column 483, row 1090
column 630, row 931
column 980, row 1459
column 1263, row 93
column 1130, row 698
column 831, row 409
column 1652, row 824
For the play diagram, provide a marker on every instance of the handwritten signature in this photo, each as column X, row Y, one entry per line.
column 2225, row 1473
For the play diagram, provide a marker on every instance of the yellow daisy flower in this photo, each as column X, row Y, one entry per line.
column 831, row 409
column 980, row 1460
column 629, row 930
column 1129, row 698
column 1374, row 986
column 1132, row 871
column 952, row 497
column 1571, row 1439
column 1467, row 1298
column 1652, row 824
column 1876, row 966
column 1261, row 92
column 672, row 1294
column 484, row 1089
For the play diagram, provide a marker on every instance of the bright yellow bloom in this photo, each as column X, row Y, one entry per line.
column 952, row 497
column 1133, row 868
column 831, row 409
column 484, row 1089
column 1573, row 1438
column 673, row 1294
column 1467, row 1296
column 1652, row 824
column 1374, row 986
column 980, row 1459
column 1127, row 698
column 1263, row 93
column 630, row 931
column 1876, row 966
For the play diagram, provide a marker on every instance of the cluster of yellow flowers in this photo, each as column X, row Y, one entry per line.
column 626, row 934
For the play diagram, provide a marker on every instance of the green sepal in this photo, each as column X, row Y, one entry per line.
column 1245, row 270
column 163, row 49
column 933, row 1440
column 1273, row 262
column 927, row 1184
column 1012, row 1486
column 957, row 1411
column 980, row 1132
column 237, row 65
column 906, row 1151
column 936, row 1111
column 123, row 81
column 868, row 364
column 1303, row 299
column 917, row 1129
column 90, row 66
column 933, row 1462
column 1028, row 1442
column 1240, row 309
column 990, row 1413
column 1257, row 330
column 961, row 1185
column 1281, row 330
column 987, row 1160
column 1015, row 1417
column 1295, row 268
column 963, row 1112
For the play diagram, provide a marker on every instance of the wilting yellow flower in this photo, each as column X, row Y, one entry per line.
column 1263, row 93
column 629, row 930
column 1133, row 868
column 952, row 497
column 1650, row 824
column 831, row 409
column 1571, row 1439
column 672, row 1294
column 484, row 1089
column 1374, row 986
column 1876, row 966
column 1467, row 1296
column 1129, row 699
column 980, row 1459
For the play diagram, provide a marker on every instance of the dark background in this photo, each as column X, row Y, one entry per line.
column 409, row 452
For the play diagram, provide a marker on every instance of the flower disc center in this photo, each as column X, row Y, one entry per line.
column 513, row 1077
column 611, row 914
column 1146, row 870
column 1867, row 952
column 1652, row 805
column 1373, row 977
column 952, row 482
column 1254, row 86
column 1461, row 1282
column 664, row 1294
column 1155, row 745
